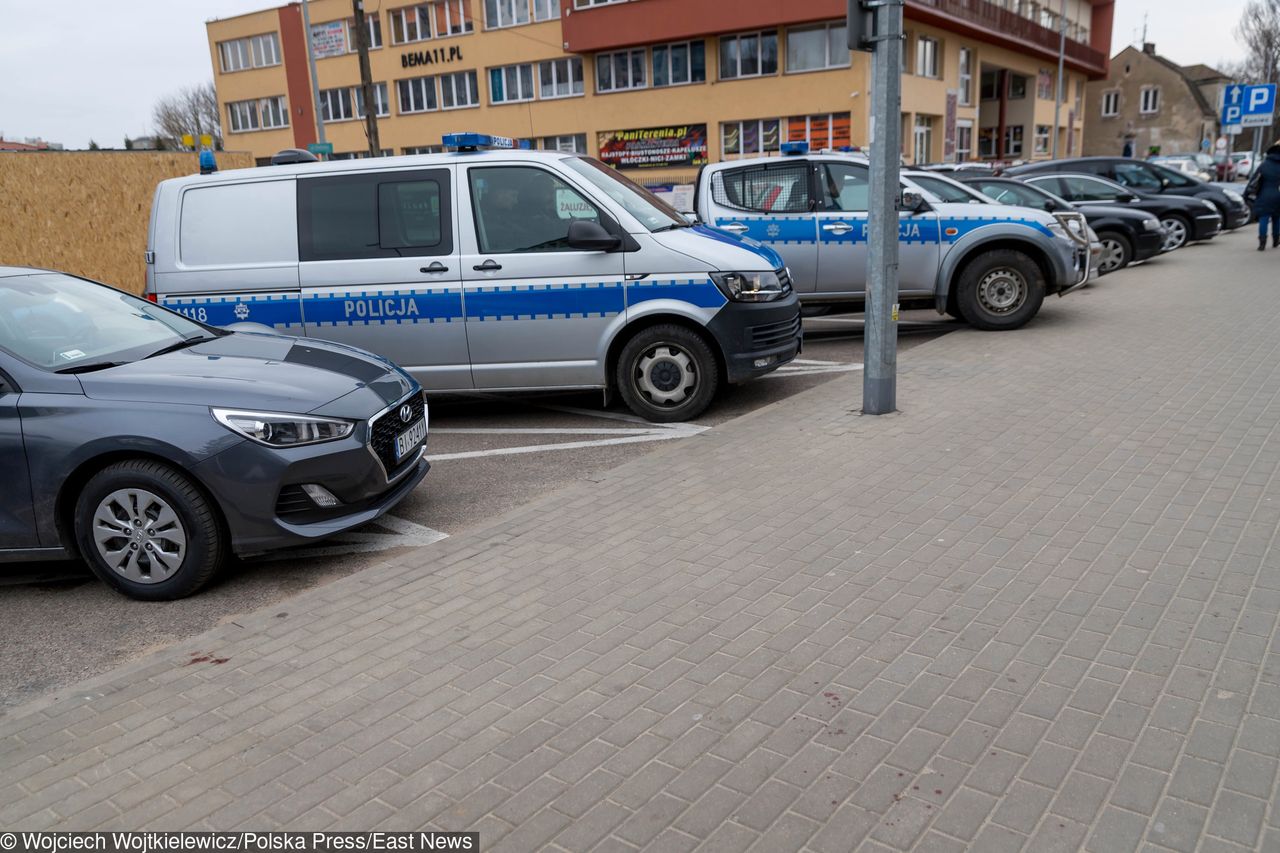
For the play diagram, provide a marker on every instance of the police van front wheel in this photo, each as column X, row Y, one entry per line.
column 667, row 373
column 1000, row 290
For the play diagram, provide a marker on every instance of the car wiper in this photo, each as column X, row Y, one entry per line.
column 182, row 344
column 90, row 367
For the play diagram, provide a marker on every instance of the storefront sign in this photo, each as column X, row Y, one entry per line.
column 949, row 129
column 652, row 147
column 430, row 57
column 329, row 39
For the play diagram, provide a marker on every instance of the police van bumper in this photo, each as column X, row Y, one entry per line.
column 757, row 338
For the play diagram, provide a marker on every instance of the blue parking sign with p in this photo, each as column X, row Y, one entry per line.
column 1252, row 105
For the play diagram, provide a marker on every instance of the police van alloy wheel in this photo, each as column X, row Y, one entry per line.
column 1177, row 232
column 1116, row 252
column 1000, row 290
column 147, row 531
column 667, row 373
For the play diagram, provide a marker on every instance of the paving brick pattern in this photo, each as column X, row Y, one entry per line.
column 1035, row 610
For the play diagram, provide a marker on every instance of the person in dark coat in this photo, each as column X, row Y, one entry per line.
column 1263, row 192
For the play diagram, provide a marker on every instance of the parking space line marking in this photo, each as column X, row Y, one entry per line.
column 540, row 430
column 660, row 434
column 806, row 361
column 405, row 534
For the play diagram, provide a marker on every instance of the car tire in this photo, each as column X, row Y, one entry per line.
column 1000, row 290
column 1117, row 252
column 148, row 532
column 1179, row 231
column 667, row 373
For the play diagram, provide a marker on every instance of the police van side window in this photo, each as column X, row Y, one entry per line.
column 375, row 215
column 237, row 224
column 845, row 187
column 768, row 188
column 524, row 209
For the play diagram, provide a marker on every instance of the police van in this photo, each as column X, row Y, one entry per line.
column 485, row 268
column 989, row 264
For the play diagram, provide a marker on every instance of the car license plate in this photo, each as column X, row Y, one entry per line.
column 410, row 438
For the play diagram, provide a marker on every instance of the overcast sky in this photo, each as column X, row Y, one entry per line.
column 77, row 70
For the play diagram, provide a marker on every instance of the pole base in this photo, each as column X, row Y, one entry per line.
column 879, row 396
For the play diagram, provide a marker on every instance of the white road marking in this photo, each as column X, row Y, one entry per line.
column 809, row 370
column 656, row 432
column 405, row 534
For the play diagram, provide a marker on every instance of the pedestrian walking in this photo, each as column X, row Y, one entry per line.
column 1263, row 192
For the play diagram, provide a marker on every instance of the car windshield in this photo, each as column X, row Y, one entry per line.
column 63, row 323
column 1020, row 195
column 652, row 212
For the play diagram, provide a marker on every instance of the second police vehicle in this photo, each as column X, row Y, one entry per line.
column 485, row 268
column 990, row 264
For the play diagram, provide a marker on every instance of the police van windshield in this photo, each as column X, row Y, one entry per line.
column 652, row 212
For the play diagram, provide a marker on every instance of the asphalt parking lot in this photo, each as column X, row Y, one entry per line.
column 59, row 625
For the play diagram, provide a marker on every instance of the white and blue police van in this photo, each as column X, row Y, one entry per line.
column 990, row 264
column 485, row 268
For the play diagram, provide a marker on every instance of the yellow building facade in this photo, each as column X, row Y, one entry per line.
column 655, row 87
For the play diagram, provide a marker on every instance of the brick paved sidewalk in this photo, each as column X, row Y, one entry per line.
column 1037, row 609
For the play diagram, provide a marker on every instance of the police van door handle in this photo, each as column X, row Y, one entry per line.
column 734, row 228
column 838, row 227
column 436, row 266
column 488, row 266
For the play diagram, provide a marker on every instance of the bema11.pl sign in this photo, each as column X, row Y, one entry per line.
column 429, row 57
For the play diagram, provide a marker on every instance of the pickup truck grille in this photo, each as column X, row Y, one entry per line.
column 384, row 429
column 774, row 334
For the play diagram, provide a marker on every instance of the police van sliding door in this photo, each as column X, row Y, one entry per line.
column 378, row 263
column 842, row 192
column 538, row 312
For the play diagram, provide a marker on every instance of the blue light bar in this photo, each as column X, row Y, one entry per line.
column 476, row 141
column 208, row 165
column 793, row 149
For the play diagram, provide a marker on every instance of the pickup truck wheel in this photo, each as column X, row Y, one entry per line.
column 1000, row 290
column 1117, row 252
column 147, row 531
column 667, row 373
column 1177, row 232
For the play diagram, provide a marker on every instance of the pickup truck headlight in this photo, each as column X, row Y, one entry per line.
column 1151, row 224
column 751, row 286
column 278, row 429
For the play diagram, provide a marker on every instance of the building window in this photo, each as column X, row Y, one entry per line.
column 964, row 142
column 505, row 13
column 511, row 83
column 1150, row 101
column 814, row 48
column 587, row 4
column 252, row 52
column 987, row 142
column 679, row 63
column 439, row 19
column 1013, row 140
column 417, row 95
column 259, row 114
column 423, row 149
column 570, row 143
column 373, row 24
column 1041, row 142
column 1044, row 85
column 380, row 101
column 546, row 10
column 927, row 57
column 831, row 130
column 1017, row 87
column 1110, row 104
column 757, row 136
column 922, row 149
column 336, row 105
column 560, row 78
column 990, row 85
column 748, row 55
column 966, row 77
column 618, row 71
column 460, row 89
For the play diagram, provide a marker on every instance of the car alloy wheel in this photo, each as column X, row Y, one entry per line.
column 1002, row 291
column 1175, row 233
column 1112, row 256
column 139, row 535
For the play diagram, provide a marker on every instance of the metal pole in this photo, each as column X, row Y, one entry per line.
column 1058, row 95
column 315, row 81
column 880, row 374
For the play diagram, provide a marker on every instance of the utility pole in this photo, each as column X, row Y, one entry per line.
column 1059, row 95
column 366, row 79
column 315, row 81
column 876, row 25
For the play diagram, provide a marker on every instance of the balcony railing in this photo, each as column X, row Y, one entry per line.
column 988, row 16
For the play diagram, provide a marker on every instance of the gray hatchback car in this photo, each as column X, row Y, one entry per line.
column 153, row 446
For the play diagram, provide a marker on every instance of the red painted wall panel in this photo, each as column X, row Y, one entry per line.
column 293, row 44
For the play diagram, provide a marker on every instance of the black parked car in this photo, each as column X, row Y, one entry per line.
column 1183, row 217
column 1141, row 176
column 153, row 446
column 1126, row 235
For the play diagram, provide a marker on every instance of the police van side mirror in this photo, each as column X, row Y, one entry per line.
column 591, row 237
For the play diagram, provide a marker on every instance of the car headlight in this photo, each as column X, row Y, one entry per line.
column 751, row 286
column 1056, row 229
column 1209, row 204
column 1151, row 224
column 1234, row 197
column 277, row 429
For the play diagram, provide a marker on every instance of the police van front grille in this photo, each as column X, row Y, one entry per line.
column 384, row 429
column 774, row 334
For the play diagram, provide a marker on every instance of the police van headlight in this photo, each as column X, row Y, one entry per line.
column 750, row 286
column 276, row 429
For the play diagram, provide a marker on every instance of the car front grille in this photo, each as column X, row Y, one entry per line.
column 773, row 334
column 384, row 429
column 293, row 502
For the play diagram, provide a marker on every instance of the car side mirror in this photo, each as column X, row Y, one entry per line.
column 1164, row 183
column 914, row 202
column 1050, row 205
column 690, row 217
column 591, row 237
column 1130, row 199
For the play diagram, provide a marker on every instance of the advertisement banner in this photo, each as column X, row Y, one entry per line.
column 652, row 147
column 329, row 39
column 949, row 128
